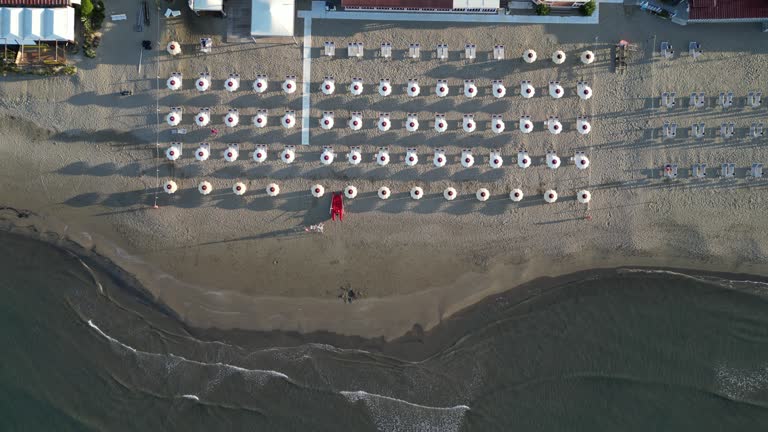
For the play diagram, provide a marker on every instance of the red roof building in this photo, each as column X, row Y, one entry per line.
column 728, row 10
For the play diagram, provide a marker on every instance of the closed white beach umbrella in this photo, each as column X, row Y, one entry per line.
column 231, row 119
column 354, row 157
column 260, row 120
column 467, row 160
column 482, row 194
column 202, row 153
column 413, row 89
column 495, row 161
column 411, row 158
column 440, row 124
column 173, row 48
column 583, row 126
column 239, row 188
column 327, row 156
column 202, row 84
column 529, row 56
column 231, row 154
column 526, row 125
column 260, row 85
column 173, row 152
column 170, row 187
column 468, row 125
column 202, row 119
column 384, row 192
column 317, row 190
column 553, row 162
column 583, row 196
column 289, row 85
column 231, row 84
column 499, row 90
column 497, row 125
column 449, row 193
column 555, row 127
column 260, row 155
column 204, row 188
column 412, row 124
column 516, row 195
column 288, row 155
column 527, row 90
column 439, row 159
column 356, row 87
column 328, row 86
column 470, row 89
column 558, row 57
column 441, row 89
column 556, row 91
column 326, row 122
column 417, row 192
column 587, row 57
column 173, row 119
column 581, row 161
column 550, row 196
column 174, row 83
column 523, row 160
column 585, row 91
column 384, row 124
column 273, row 189
column 350, row 191
column 355, row 122
column 289, row 120
column 385, row 88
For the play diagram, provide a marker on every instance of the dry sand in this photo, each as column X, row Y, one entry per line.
column 83, row 160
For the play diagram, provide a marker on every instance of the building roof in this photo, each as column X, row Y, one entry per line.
column 418, row 4
column 28, row 25
column 37, row 3
column 272, row 17
column 728, row 9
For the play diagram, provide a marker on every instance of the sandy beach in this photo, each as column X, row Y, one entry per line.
column 82, row 160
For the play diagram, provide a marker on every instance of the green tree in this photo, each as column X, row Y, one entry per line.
column 588, row 8
column 86, row 8
column 543, row 9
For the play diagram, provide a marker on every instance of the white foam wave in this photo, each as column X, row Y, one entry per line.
column 755, row 287
column 191, row 397
column 740, row 384
column 392, row 414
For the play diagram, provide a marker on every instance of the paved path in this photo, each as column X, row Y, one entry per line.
column 306, row 80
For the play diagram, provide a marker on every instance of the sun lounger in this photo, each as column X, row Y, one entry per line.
column 669, row 171
column 697, row 130
column 755, row 99
column 727, row 130
column 498, row 52
column 694, row 49
column 726, row 99
column 329, row 49
column 756, row 171
column 669, row 129
column 414, row 51
column 728, row 170
column 697, row 100
column 205, row 45
column 355, row 49
column 699, row 170
column 668, row 99
column 666, row 50
column 756, row 130
column 386, row 50
column 470, row 51
column 442, row 51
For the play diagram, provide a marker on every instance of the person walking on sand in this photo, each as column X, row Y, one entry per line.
column 214, row 131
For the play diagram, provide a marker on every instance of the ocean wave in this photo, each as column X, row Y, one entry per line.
column 740, row 384
column 750, row 286
column 191, row 397
column 392, row 414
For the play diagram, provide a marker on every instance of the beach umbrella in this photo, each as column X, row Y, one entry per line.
column 231, row 154
column 260, row 85
column 529, row 56
column 550, row 196
column 231, row 119
column 173, row 83
column 441, row 90
column 499, row 90
column 170, row 187
column 467, row 160
column 412, row 124
column 553, row 162
column 173, row 152
column 173, row 48
column 239, row 188
column 350, row 191
column 385, row 89
column 581, row 161
column 273, row 189
column 356, row 122
column 231, row 84
column 526, row 126
column 202, row 153
column 328, row 86
column 583, row 126
column 497, row 125
column 417, row 192
column 384, row 124
column 470, row 89
column 288, row 155
column 558, row 57
column 516, row 195
column 356, row 87
column 449, row 193
column 260, row 120
column 587, row 57
column 382, row 157
column 317, row 190
column 204, row 188
column 202, row 84
column 527, row 90
column 354, row 157
column 326, row 122
column 327, row 156
column 556, row 91
column 384, row 192
column 288, row 120
column 482, row 194
column 411, row 158
column 585, row 91
column 495, row 161
column 583, row 196
column 413, row 89
column 555, row 127
column 468, row 125
column 440, row 124
column 523, row 160
column 202, row 119
column 289, row 85
column 260, row 155
column 439, row 159
column 173, row 119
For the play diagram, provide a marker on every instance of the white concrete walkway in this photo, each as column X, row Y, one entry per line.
column 306, row 80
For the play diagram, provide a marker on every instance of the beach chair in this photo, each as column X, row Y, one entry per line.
column 498, row 52
column 470, row 51
column 205, row 45
column 442, row 52
column 669, row 130
column 756, row 171
column 694, row 49
column 669, row 171
column 668, row 99
column 386, row 50
column 756, row 130
column 699, row 170
column 727, row 130
column 697, row 130
column 414, row 51
column 726, row 99
column 755, row 99
column 355, row 49
column 728, row 170
column 329, row 49
column 698, row 100
column 666, row 50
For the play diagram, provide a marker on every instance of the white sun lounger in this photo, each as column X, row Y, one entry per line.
column 727, row 130
column 414, row 51
column 694, row 49
column 666, row 50
column 699, row 170
column 668, row 99
column 442, row 51
column 756, row 171
column 470, row 51
column 698, row 130
column 329, row 49
column 669, row 130
column 498, row 52
column 756, row 130
column 755, row 99
column 728, row 170
column 669, row 171
column 386, row 50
